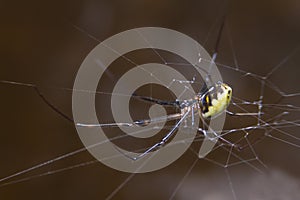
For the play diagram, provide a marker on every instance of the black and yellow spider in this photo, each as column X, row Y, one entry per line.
column 209, row 103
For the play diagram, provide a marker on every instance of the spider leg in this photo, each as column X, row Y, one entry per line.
column 157, row 101
column 137, row 123
column 162, row 142
column 212, row 135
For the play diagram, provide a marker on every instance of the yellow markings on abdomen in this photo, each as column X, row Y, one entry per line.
column 216, row 101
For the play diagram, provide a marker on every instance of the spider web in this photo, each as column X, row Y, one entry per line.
column 268, row 91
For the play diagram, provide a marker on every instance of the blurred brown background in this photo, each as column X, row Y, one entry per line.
column 40, row 45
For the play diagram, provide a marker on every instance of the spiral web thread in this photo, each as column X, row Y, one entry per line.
column 274, row 127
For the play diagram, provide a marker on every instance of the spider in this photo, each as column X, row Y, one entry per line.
column 208, row 103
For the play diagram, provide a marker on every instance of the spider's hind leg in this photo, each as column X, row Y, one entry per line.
column 159, row 144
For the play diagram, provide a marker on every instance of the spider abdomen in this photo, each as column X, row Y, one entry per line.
column 215, row 100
